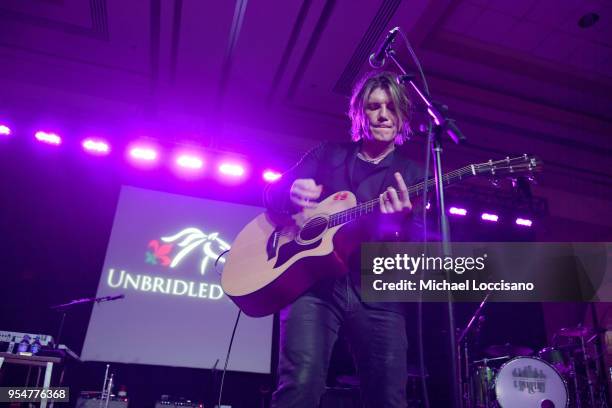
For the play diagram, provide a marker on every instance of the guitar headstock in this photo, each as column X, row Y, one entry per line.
column 510, row 166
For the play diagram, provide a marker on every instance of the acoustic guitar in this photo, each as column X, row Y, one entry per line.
column 275, row 259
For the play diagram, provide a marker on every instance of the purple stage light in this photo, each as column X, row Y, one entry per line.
column 5, row 130
column 143, row 153
column 271, row 176
column 524, row 222
column 489, row 217
column 189, row 161
column 47, row 137
column 457, row 211
column 231, row 169
column 96, row 146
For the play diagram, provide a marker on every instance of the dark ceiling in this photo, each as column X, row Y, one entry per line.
column 517, row 76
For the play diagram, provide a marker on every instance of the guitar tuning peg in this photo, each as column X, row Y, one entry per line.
column 532, row 179
column 496, row 182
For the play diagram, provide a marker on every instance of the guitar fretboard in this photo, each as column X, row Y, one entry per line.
column 368, row 207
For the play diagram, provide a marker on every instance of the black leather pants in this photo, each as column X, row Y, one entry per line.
column 308, row 330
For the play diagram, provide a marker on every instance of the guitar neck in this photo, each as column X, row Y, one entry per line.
column 368, row 207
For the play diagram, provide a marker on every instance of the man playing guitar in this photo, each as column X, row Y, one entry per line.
column 371, row 166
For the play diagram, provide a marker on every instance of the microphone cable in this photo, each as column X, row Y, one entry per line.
column 231, row 342
column 421, row 345
column 229, row 349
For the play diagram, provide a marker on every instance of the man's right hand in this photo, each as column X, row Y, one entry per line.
column 303, row 192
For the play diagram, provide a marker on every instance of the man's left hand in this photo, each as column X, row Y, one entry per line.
column 392, row 200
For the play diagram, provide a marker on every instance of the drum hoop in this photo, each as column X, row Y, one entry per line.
column 532, row 358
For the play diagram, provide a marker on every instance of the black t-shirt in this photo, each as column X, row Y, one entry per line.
column 363, row 170
column 368, row 179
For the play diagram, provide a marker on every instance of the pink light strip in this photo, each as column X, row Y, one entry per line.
column 457, row 211
column 524, row 222
column 50, row 138
column 489, row 217
column 143, row 153
column 231, row 169
column 96, row 146
column 271, row 176
column 190, row 162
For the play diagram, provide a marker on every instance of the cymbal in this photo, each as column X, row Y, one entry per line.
column 488, row 360
column 507, row 349
column 578, row 331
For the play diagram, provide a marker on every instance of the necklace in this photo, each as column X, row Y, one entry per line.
column 374, row 160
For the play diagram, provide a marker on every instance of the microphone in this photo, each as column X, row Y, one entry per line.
column 377, row 59
column 109, row 298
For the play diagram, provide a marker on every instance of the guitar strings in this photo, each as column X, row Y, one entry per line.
column 416, row 188
column 420, row 186
column 371, row 204
column 367, row 206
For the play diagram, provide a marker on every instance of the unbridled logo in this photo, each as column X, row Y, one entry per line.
column 189, row 240
column 170, row 252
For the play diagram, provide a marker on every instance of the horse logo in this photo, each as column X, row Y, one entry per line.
column 188, row 240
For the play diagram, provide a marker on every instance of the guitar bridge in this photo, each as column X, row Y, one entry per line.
column 272, row 244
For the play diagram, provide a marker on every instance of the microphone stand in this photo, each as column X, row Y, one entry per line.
column 442, row 125
column 600, row 363
column 63, row 308
column 465, row 370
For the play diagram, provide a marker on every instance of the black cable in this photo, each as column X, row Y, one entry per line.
column 424, row 390
column 217, row 260
column 456, row 386
column 425, row 240
column 416, row 62
column 420, row 342
column 229, row 349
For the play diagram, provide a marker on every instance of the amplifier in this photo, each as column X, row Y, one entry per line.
column 95, row 403
column 177, row 404
column 61, row 351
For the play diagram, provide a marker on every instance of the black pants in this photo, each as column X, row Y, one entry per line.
column 308, row 330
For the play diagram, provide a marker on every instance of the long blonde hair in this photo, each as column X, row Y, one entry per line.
column 361, row 92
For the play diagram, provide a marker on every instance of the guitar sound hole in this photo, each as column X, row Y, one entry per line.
column 313, row 228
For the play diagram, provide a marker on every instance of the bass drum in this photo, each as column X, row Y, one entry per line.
column 529, row 382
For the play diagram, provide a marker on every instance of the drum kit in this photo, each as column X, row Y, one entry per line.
column 567, row 373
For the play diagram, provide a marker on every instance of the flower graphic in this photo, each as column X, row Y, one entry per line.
column 158, row 253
